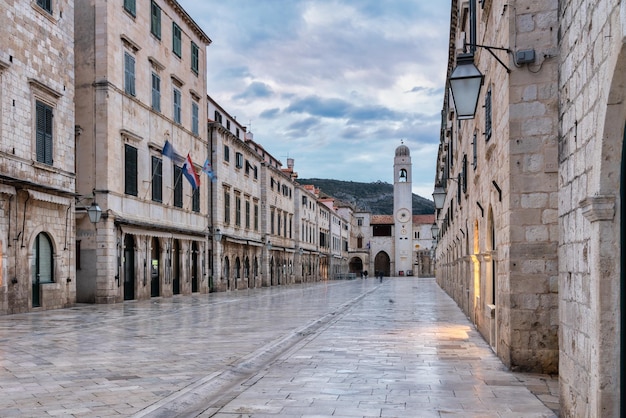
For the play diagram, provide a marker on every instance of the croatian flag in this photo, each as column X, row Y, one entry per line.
column 190, row 173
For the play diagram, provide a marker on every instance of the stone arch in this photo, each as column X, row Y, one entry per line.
column 355, row 265
column 382, row 262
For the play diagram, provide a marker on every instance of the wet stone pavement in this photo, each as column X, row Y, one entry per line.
column 354, row 348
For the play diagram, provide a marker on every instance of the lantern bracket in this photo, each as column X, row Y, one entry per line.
column 490, row 50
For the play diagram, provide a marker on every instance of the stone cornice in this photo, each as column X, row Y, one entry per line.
column 598, row 208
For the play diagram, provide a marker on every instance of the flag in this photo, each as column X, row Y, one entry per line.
column 168, row 151
column 190, row 173
column 207, row 169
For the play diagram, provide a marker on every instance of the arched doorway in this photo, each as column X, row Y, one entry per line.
column 154, row 267
column 355, row 265
column 237, row 272
column 194, row 267
column 382, row 262
column 129, row 267
column 246, row 271
column 42, row 267
column 176, row 267
column 227, row 272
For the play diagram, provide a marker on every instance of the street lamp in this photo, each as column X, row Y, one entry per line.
column 94, row 212
column 434, row 230
column 465, row 83
column 217, row 236
column 439, row 196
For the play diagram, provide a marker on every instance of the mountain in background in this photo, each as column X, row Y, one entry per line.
column 376, row 198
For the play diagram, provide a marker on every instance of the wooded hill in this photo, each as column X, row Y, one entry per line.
column 376, row 197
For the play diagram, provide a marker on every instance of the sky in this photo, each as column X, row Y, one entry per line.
column 337, row 85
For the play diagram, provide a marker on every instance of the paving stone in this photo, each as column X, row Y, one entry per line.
column 311, row 350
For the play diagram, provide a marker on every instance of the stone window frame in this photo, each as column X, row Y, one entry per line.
column 195, row 58
column 177, row 40
column 155, row 20
column 44, row 94
column 130, row 6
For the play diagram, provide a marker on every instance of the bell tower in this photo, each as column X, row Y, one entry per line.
column 403, row 210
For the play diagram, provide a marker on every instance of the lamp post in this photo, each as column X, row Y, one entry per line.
column 439, row 196
column 435, row 231
column 94, row 212
column 465, row 83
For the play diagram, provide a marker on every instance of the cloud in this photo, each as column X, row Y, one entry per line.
column 335, row 84
column 255, row 90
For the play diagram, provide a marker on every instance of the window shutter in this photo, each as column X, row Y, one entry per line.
column 195, row 203
column 41, row 124
column 178, row 186
column 488, row 114
column 130, row 170
column 157, row 179
column 156, row 20
column 48, row 136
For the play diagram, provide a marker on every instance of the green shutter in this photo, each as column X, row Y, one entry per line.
column 130, row 170
column 130, row 7
column 157, row 179
column 178, row 186
column 155, row 26
column 43, row 136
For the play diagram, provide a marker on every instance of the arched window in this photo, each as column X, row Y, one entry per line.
column 402, row 177
column 246, row 267
column 42, row 267
column 237, row 268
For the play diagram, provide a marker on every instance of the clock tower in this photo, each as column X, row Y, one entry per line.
column 403, row 210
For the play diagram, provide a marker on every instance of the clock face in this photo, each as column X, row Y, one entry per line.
column 403, row 215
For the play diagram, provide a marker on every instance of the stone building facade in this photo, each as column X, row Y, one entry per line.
column 37, row 160
column 141, row 84
column 576, row 86
column 498, row 227
column 592, row 111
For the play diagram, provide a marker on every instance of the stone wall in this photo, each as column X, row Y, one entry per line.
column 36, row 65
column 592, row 112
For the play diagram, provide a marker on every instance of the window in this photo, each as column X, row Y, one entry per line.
column 157, row 179
column 272, row 222
column 248, row 165
column 247, row 214
column 129, row 6
column 44, row 137
column 474, row 152
column 359, row 221
column 195, row 200
column 156, row 92
column 256, row 173
column 256, row 216
column 464, row 173
column 238, row 160
column 130, row 170
column 129, row 74
column 195, row 127
column 227, row 124
column 226, row 207
column 177, row 104
column 488, row 115
column 226, row 153
column 178, row 186
column 195, row 52
column 155, row 23
column 177, row 40
column 46, row 5
column 237, row 210
column 218, row 117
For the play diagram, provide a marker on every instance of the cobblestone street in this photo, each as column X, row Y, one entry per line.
column 354, row 348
